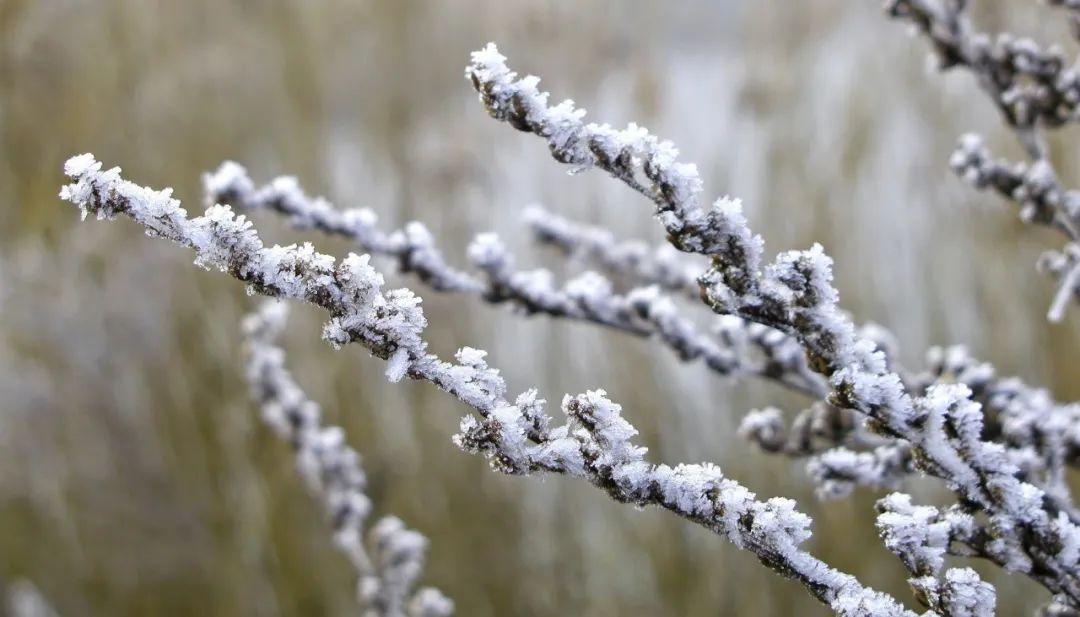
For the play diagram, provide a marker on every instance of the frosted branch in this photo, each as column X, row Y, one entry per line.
column 921, row 536
column 1030, row 85
column 413, row 247
column 739, row 348
column 392, row 559
column 838, row 471
column 1040, row 436
column 645, row 311
column 795, row 294
column 633, row 260
column 841, row 453
column 594, row 444
column 1042, row 200
column 1034, row 89
column 663, row 267
column 1034, row 187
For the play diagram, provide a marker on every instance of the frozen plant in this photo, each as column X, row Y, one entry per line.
column 1000, row 446
column 1035, row 89
column 391, row 560
column 663, row 265
column 645, row 308
column 518, row 437
column 794, row 294
column 1040, row 435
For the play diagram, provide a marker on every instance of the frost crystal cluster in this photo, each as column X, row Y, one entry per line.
column 1001, row 447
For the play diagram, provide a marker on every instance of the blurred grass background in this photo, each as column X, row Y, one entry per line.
column 136, row 477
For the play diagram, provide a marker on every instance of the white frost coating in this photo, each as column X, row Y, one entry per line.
column 838, row 471
column 596, row 444
column 591, row 298
column 764, row 427
column 633, row 259
column 732, row 224
column 1027, row 418
column 643, row 311
column 1035, row 89
column 413, row 247
column 392, row 559
column 398, row 365
column 627, row 154
column 81, row 164
column 593, row 444
column 921, row 536
column 1039, row 435
column 795, row 294
column 966, row 595
column 663, row 267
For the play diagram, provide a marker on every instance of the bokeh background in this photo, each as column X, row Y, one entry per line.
column 136, row 477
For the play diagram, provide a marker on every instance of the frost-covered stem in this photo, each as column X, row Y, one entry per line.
column 644, row 311
column 1034, row 186
column 1040, row 436
column 813, row 430
column 387, row 324
column 595, row 444
column 921, row 536
column 795, row 295
column 841, row 454
column 1032, row 87
column 392, row 559
column 1036, row 189
column 632, row 260
column 412, row 247
column 640, row 264
column 517, row 437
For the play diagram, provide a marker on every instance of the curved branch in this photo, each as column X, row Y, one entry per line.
column 594, row 444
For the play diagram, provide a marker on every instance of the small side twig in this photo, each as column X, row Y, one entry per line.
column 391, row 560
